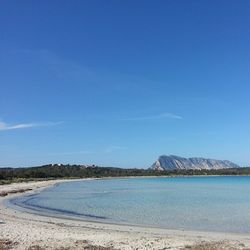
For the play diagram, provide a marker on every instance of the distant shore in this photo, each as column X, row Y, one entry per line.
column 60, row 171
column 16, row 181
column 23, row 230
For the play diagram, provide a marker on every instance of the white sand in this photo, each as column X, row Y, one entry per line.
column 28, row 230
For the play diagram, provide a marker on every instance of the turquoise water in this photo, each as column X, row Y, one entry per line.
column 193, row 203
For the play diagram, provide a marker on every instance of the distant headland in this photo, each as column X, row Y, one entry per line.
column 172, row 162
column 164, row 166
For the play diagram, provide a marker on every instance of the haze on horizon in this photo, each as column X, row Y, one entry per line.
column 118, row 83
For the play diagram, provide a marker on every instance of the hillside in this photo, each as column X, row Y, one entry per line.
column 171, row 162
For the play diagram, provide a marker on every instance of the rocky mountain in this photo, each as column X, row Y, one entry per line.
column 171, row 162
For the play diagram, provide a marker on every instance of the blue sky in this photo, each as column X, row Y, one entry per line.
column 118, row 83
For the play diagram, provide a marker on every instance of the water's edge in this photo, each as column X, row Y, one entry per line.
column 64, row 214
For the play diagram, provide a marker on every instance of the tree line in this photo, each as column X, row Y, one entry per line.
column 54, row 171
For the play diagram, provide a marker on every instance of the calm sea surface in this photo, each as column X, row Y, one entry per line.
column 194, row 203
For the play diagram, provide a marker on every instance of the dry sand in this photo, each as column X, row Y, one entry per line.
column 24, row 230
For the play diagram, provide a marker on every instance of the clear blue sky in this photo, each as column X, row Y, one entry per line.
column 118, row 83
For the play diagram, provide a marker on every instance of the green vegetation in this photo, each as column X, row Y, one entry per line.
column 8, row 175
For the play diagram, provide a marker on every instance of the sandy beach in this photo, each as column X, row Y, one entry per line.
column 24, row 230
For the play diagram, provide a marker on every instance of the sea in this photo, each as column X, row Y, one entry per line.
column 204, row 203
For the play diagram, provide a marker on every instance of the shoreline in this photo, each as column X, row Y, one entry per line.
column 109, row 235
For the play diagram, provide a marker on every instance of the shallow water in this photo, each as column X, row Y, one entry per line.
column 193, row 203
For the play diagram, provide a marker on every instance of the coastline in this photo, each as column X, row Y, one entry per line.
column 25, row 230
